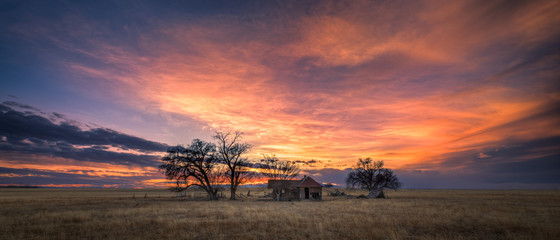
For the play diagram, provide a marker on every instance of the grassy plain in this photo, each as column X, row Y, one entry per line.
column 158, row 214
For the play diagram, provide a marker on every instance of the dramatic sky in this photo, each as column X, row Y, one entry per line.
column 450, row 94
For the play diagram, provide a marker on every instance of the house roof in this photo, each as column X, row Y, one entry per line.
column 309, row 182
column 283, row 183
column 305, row 182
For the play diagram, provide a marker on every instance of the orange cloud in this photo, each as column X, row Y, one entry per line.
column 347, row 85
column 87, row 169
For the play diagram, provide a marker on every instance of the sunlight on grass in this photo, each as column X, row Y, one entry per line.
column 159, row 214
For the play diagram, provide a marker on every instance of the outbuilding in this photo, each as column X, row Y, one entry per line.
column 304, row 189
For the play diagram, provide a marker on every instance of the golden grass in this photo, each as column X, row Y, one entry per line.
column 407, row 214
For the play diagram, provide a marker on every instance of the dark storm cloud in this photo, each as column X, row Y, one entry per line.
column 530, row 162
column 311, row 162
column 16, row 125
column 28, row 133
column 98, row 154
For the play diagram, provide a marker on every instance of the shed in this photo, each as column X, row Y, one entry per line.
column 304, row 189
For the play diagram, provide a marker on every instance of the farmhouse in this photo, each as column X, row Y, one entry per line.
column 303, row 189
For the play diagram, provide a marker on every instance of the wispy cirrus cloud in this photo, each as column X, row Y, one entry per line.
column 409, row 83
column 346, row 81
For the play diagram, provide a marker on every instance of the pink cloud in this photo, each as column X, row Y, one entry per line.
column 340, row 86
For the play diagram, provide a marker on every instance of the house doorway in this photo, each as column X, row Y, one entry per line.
column 306, row 193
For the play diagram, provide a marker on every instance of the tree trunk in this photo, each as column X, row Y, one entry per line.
column 232, row 188
column 376, row 193
column 277, row 194
column 212, row 194
column 232, row 192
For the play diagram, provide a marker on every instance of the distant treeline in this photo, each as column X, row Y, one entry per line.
column 15, row 186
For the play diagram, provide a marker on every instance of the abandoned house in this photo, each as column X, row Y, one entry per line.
column 303, row 189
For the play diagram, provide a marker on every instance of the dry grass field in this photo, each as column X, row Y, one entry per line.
column 157, row 214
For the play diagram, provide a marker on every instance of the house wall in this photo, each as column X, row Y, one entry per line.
column 290, row 194
column 311, row 190
column 316, row 190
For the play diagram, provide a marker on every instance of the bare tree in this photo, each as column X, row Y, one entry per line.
column 276, row 169
column 230, row 151
column 371, row 175
column 195, row 165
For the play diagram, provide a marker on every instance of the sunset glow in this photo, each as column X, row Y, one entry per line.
column 450, row 94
